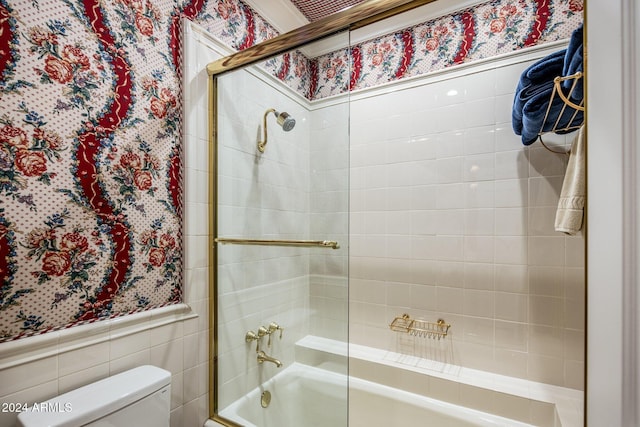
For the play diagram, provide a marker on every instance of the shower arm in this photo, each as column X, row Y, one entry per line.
column 263, row 144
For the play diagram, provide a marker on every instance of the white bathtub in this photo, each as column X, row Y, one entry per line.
column 387, row 391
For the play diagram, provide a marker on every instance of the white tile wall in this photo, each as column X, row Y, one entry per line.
column 474, row 210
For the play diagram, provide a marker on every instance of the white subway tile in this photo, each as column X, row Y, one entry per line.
column 129, row 344
column 83, row 377
column 479, row 222
column 546, row 280
column 479, row 276
column 424, row 222
column 400, row 150
column 507, row 77
column 544, row 191
column 166, row 333
column 450, row 274
column 511, row 249
column 479, row 85
column 130, row 361
column 423, row 147
column 481, row 194
column 169, row 356
column 511, row 221
column 512, row 164
column 423, row 197
column 479, row 303
column 503, row 108
column 83, row 358
column 450, row 300
column 479, row 140
column 542, row 221
column 449, row 222
column 512, row 307
column 479, row 167
column 574, row 348
column 512, row 336
column 543, row 162
column 574, row 374
column 424, row 172
column 546, row 340
column 512, row 278
column 511, row 362
column 450, row 196
column 424, row 297
column 398, row 222
column 176, row 417
column 479, row 113
column 424, row 122
column 479, row 248
column 449, row 248
column 575, row 252
column 574, row 314
column 177, row 390
column 450, row 170
column 545, row 311
column 506, row 139
column 398, row 175
column 545, row 369
column 546, row 251
column 511, row 193
column 424, row 271
column 28, row 375
column 449, row 144
column 448, row 118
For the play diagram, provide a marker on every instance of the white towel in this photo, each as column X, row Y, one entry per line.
column 574, row 190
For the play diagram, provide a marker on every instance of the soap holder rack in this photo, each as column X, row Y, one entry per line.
column 420, row 328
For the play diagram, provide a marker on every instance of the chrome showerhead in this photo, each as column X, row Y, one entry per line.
column 285, row 120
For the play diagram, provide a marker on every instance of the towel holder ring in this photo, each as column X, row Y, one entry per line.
column 557, row 91
column 551, row 149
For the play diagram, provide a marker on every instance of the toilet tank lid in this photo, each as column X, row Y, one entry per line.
column 96, row 400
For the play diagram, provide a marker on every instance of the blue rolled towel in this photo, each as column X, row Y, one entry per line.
column 534, row 79
column 573, row 63
column 535, row 110
column 544, row 69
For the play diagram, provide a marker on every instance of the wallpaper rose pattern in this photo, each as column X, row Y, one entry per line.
column 489, row 29
column 91, row 144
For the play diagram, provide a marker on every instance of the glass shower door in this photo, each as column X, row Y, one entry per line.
column 281, row 252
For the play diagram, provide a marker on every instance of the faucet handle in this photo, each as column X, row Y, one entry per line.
column 273, row 326
column 252, row 336
column 262, row 331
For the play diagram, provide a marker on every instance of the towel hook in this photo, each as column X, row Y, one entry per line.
column 550, row 149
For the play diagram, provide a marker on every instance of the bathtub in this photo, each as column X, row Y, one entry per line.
column 388, row 389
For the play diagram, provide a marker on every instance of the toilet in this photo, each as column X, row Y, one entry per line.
column 139, row 397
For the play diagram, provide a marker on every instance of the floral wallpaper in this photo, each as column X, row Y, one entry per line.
column 486, row 30
column 91, row 145
column 91, row 155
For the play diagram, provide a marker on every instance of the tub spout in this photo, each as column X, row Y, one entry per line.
column 264, row 357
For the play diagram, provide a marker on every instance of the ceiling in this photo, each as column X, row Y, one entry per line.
column 314, row 10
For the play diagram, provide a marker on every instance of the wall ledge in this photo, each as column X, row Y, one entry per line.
column 14, row 353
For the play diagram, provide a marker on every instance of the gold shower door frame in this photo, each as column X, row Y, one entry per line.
column 351, row 18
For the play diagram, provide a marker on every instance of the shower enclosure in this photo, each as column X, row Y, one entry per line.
column 330, row 217
column 281, row 233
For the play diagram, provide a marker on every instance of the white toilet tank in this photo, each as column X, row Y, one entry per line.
column 139, row 397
